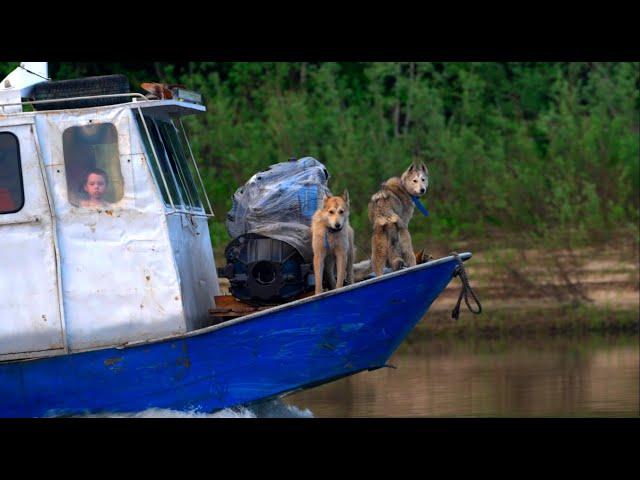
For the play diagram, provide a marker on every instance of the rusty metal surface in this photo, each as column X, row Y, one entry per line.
column 196, row 267
column 135, row 271
column 29, row 303
column 118, row 273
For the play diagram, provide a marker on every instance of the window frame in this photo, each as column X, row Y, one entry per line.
column 181, row 203
column 20, row 174
column 167, row 164
column 186, row 178
column 93, row 145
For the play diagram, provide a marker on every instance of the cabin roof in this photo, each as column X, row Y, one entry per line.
column 170, row 107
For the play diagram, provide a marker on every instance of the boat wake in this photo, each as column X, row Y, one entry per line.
column 269, row 409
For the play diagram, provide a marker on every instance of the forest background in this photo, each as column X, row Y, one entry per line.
column 540, row 151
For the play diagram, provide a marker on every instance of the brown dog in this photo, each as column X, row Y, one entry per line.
column 332, row 241
column 390, row 211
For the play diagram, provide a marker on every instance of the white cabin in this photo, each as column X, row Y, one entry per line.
column 78, row 273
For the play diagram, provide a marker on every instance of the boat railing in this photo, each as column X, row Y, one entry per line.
column 133, row 95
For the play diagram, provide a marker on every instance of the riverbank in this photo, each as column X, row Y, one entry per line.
column 543, row 291
column 563, row 320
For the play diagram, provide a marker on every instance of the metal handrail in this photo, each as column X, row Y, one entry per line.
column 86, row 97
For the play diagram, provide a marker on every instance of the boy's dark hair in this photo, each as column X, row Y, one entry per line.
column 97, row 171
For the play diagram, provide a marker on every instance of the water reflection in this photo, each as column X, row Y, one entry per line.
column 592, row 376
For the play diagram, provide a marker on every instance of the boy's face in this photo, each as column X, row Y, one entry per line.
column 95, row 186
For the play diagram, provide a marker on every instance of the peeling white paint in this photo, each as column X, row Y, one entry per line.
column 28, row 278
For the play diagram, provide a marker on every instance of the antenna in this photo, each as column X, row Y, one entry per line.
column 25, row 76
column 19, row 83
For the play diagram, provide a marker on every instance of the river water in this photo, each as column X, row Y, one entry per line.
column 546, row 377
column 592, row 376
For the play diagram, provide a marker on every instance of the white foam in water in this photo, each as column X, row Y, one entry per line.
column 269, row 409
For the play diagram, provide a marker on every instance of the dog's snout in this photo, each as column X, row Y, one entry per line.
column 422, row 190
column 338, row 225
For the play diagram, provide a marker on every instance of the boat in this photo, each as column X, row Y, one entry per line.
column 106, row 305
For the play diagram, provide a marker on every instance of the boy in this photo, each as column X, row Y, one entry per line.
column 95, row 186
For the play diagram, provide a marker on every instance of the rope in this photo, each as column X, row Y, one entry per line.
column 34, row 73
column 466, row 289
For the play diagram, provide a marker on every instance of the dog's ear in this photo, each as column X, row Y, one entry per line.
column 423, row 167
column 345, row 196
column 412, row 167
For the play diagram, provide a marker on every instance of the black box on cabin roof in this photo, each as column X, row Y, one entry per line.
column 81, row 87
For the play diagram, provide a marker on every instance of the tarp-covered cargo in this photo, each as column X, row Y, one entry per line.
column 270, row 257
column 279, row 203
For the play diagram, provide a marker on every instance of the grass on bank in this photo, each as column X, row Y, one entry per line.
column 510, row 323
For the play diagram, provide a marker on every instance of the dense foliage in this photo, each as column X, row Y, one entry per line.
column 511, row 147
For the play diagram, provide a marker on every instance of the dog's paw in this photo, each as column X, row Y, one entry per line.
column 398, row 264
column 423, row 257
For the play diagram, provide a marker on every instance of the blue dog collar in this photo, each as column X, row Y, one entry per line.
column 419, row 206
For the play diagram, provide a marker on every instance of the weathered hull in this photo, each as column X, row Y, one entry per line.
column 270, row 353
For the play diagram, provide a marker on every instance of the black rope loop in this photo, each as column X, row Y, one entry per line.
column 466, row 289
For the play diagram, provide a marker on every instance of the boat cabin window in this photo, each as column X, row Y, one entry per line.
column 178, row 160
column 11, row 188
column 174, row 166
column 92, row 165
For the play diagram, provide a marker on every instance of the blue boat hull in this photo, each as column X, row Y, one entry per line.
column 270, row 353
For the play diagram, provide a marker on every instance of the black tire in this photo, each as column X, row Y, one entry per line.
column 81, row 87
